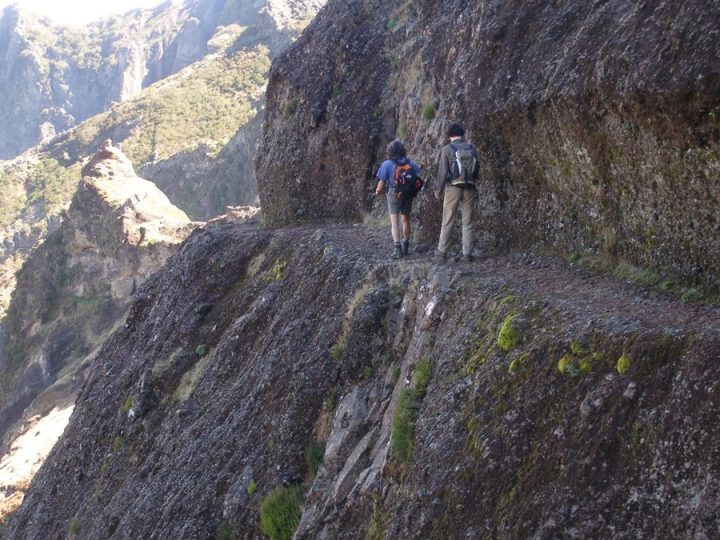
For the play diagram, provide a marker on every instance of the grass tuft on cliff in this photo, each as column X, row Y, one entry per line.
column 280, row 512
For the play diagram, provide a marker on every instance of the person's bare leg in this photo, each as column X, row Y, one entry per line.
column 395, row 227
column 405, row 218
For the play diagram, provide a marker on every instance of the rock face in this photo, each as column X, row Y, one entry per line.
column 598, row 122
column 77, row 286
column 455, row 401
column 52, row 78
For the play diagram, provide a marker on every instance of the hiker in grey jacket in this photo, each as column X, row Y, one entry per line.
column 457, row 175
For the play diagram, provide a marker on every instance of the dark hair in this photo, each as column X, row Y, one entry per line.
column 396, row 150
column 455, row 130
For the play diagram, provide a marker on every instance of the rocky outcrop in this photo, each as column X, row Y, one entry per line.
column 597, row 121
column 455, row 401
column 76, row 287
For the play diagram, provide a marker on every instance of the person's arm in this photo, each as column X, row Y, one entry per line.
column 380, row 187
column 381, row 176
column 442, row 173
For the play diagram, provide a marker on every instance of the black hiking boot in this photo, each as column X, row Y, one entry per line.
column 440, row 257
column 468, row 258
column 398, row 251
column 405, row 247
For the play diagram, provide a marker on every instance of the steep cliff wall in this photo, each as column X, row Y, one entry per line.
column 598, row 121
column 514, row 397
column 76, row 287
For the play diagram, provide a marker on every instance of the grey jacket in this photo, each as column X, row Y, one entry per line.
column 445, row 167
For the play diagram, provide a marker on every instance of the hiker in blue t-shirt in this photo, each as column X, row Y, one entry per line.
column 398, row 203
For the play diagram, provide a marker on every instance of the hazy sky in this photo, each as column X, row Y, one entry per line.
column 79, row 12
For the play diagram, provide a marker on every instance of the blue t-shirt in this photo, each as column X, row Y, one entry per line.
column 387, row 170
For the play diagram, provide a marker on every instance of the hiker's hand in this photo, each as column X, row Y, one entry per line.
column 438, row 195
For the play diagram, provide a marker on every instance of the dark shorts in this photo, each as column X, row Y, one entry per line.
column 403, row 206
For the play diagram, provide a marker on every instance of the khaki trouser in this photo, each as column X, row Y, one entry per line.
column 454, row 197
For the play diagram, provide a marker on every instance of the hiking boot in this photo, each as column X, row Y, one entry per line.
column 468, row 258
column 398, row 252
column 405, row 247
column 440, row 257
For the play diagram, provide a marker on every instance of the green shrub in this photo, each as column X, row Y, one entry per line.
column 692, row 295
column 252, row 488
column 406, row 412
column 314, row 454
column 290, row 107
column 128, row 404
column 225, row 531
column 421, row 377
column 201, row 350
column 118, row 443
column 337, row 351
column 402, row 428
column 428, row 111
column 280, row 512
column 74, row 527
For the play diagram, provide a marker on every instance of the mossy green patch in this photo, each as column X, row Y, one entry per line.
column 277, row 272
column 509, row 335
column 576, row 348
column 564, row 363
column 623, row 363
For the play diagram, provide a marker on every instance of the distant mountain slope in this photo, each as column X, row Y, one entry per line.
column 194, row 134
column 53, row 77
